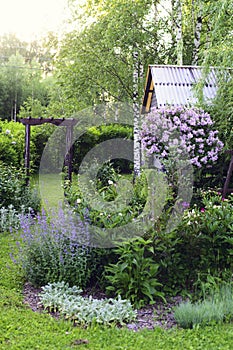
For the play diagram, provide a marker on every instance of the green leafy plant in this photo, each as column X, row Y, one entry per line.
column 85, row 310
column 134, row 276
column 207, row 234
column 14, row 192
column 10, row 218
column 125, row 208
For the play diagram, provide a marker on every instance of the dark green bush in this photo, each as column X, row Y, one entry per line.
column 96, row 135
column 202, row 244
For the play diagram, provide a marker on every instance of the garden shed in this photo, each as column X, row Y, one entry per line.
column 175, row 86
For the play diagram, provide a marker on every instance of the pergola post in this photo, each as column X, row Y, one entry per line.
column 69, row 150
column 27, row 151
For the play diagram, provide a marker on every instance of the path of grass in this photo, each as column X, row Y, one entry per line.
column 21, row 328
column 49, row 188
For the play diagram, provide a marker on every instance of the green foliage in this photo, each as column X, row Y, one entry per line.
column 85, row 310
column 200, row 245
column 21, row 328
column 96, row 135
column 14, row 192
column 22, row 66
column 114, row 192
column 12, row 143
column 208, row 232
column 12, row 136
column 10, row 218
column 39, row 137
column 134, row 276
column 100, row 54
column 216, row 307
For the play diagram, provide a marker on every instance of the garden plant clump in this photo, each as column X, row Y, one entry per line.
column 216, row 307
column 85, row 310
column 17, row 199
column 53, row 250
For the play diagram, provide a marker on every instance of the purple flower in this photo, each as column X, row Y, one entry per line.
column 191, row 127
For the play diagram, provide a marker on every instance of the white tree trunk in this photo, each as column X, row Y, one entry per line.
column 177, row 14
column 136, row 115
column 197, row 34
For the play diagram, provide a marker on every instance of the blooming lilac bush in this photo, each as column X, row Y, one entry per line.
column 183, row 130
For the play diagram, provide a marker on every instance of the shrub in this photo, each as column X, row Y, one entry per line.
column 10, row 218
column 12, row 143
column 14, row 192
column 200, row 245
column 100, row 134
column 85, row 310
column 207, row 232
column 183, row 129
column 134, row 276
column 54, row 250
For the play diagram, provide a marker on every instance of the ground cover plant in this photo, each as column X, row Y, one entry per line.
column 70, row 304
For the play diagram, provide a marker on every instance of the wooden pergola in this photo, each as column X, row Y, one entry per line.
column 68, row 123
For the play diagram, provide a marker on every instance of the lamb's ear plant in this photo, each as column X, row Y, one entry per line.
column 134, row 276
column 85, row 310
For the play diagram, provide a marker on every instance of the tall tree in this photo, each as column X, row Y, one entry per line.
column 96, row 59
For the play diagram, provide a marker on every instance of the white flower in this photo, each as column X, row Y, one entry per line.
column 110, row 182
column 7, row 131
column 78, row 201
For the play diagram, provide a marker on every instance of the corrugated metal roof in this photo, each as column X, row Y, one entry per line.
column 174, row 85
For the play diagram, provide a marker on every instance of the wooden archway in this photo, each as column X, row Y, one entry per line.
column 68, row 123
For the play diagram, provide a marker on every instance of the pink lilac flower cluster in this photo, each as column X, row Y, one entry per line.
column 186, row 129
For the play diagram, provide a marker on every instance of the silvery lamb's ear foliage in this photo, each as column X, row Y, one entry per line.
column 85, row 310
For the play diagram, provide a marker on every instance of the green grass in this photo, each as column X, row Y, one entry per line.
column 50, row 189
column 21, row 328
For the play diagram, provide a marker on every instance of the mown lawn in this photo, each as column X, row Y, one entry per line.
column 21, row 328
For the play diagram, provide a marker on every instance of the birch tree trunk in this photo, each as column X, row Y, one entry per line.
column 177, row 15
column 136, row 115
column 197, row 31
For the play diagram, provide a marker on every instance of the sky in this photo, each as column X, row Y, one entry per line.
column 29, row 19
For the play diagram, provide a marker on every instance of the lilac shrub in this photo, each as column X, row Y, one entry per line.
column 54, row 248
column 185, row 130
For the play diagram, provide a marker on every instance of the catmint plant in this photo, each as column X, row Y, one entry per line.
column 183, row 130
column 54, row 248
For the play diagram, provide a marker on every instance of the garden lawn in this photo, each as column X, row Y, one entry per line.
column 50, row 189
column 21, row 328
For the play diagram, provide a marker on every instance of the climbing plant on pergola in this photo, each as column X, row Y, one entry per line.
column 68, row 123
